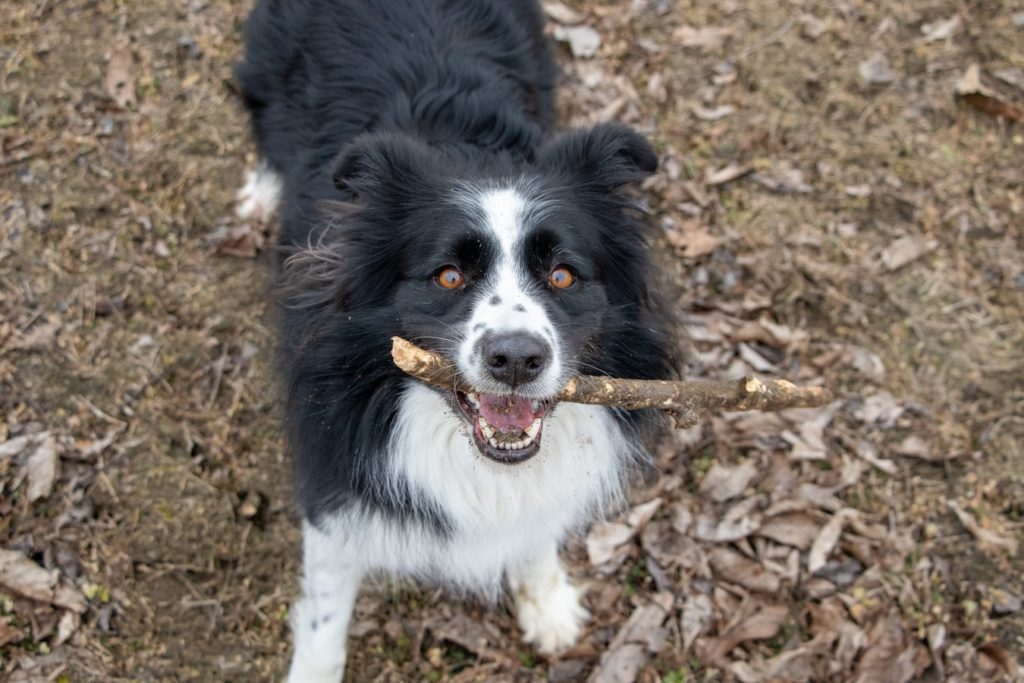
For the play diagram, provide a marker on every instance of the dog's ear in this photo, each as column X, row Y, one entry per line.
column 608, row 155
column 380, row 165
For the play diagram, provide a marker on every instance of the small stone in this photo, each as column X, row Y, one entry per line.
column 1004, row 603
column 876, row 70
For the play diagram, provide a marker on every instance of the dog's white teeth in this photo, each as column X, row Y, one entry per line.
column 485, row 428
column 533, row 429
column 473, row 399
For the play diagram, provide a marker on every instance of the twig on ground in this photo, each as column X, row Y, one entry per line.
column 686, row 402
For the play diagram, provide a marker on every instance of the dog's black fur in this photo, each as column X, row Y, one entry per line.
column 371, row 111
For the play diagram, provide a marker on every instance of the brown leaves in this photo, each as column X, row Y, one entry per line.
column 706, row 38
column 723, row 482
column 120, row 77
column 735, row 568
column 691, row 239
column 24, row 577
column 42, row 466
column 41, row 461
column 639, row 638
column 987, row 537
column 754, row 621
column 891, row 655
column 906, row 249
column 970, row 89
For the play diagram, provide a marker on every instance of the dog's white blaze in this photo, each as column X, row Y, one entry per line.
column 508, row 304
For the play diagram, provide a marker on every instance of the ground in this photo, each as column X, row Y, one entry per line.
column 837, row 204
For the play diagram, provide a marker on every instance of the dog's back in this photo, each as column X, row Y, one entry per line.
column 318, row 73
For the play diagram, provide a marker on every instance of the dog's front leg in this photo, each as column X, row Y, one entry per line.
column 547, row 603
column 320, row 618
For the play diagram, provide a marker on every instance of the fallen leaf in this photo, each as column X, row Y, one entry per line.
column 915, row 447
column 41, row 335
column 641, row 514
column 9, row 633
column 891, row 654
column 21, row 575
column 727, row 174
column 906, row 249
column 66, row 627
column 559, row 12
column 762, row 624
column 879, row 408
column 244, row 241
column 692, row 241
column 784, row 179
column 695, row 619
column 771, row 333
column 1003, row 659
column 865, row 362
column 669, row 548
column 755, row 360
column 604, row 539
column 707, row 38
column 632, row 646
column 811, row 26
column 735, row 568
column 43, row 466
column 723, row 482
column 869, row 454
column 583, row 41
column 808, row 443
column 1014, row 77
column 739, row 521
column 15, row 446
column 790, row 665
column 119, row 80
column 970, row 89
column 940, row 30
column 797, row 529
column 875, row 70
column 827, row 539
column 714, row 114
column 987, row 537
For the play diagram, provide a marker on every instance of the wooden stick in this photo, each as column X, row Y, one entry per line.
column 686, row 402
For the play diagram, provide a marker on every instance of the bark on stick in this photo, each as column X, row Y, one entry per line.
column 686, row 402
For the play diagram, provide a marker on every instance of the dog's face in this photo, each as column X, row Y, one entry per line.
column 509, row 276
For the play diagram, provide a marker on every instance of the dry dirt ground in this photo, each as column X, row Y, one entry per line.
column 840, row 202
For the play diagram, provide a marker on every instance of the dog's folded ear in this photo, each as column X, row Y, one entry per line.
column 381, row 165
column 609, row 155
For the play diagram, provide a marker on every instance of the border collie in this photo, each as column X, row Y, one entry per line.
column 424, row 194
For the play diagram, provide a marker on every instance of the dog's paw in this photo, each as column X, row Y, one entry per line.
column 551, row 619
column 258, row 198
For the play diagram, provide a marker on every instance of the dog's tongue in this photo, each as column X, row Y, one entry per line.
column 507, row 413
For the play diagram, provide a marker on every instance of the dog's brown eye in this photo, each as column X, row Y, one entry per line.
column 450, row 278
column 561, row 278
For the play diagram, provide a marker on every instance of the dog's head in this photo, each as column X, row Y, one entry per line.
column 521, row 275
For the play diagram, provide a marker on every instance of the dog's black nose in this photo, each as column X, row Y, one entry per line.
column 515, row 358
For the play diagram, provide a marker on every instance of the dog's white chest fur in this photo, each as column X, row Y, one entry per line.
column 501, row 514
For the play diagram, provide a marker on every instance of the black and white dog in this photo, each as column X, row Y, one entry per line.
column 423, row 194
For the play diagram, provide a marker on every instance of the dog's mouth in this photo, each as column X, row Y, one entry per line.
column 506, row 428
